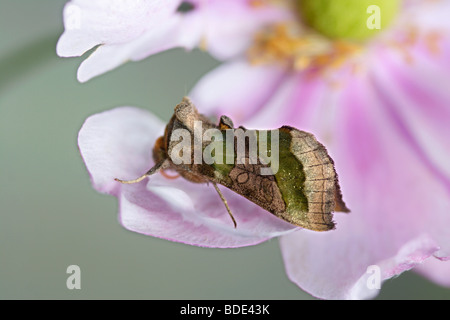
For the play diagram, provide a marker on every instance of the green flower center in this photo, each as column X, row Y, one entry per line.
column 348, row 19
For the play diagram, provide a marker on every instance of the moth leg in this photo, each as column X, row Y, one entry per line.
column 160, row 165
column 225, row 203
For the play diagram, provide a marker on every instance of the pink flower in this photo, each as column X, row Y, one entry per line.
column 383, row 114
column 127, row 30
column 381, row 108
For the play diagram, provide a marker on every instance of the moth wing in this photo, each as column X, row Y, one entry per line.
column 246, row 180
column 321, row 185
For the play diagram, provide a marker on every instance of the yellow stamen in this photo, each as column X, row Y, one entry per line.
column 413, row 37
column 300, row 49
column 432, row 41
column 257, row 3
column 283, row 44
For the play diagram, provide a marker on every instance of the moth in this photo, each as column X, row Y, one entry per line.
column 293, row 178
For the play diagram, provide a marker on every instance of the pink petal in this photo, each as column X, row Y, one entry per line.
column 228, row 27
column 421, row 114
column 195, row 215
column 303, row 102
column 335, row 266
column 237, row 89
column 426, row 15
column 399, row 209
column 436, row 270
column 421, row 99
column 118, row 144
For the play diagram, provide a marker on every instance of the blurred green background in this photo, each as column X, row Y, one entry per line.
column 52, row 218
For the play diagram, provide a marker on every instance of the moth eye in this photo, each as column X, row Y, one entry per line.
column 226, row 123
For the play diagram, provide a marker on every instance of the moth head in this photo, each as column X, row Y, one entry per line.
column 186, row 113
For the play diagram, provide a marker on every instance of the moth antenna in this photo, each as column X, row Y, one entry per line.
column 132, row 181
column 225, row 203
column 155, row 169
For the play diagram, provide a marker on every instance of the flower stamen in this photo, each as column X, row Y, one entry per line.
column 282, row 44
column 431, row 40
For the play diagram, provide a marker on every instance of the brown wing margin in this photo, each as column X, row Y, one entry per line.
column 321, row 186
